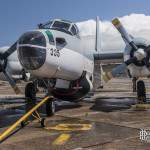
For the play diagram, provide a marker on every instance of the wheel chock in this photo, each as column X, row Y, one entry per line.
column 143, row 106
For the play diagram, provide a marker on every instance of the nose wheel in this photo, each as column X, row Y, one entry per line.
column 141, row 92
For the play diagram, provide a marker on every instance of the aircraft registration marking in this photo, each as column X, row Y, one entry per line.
column 54, row 52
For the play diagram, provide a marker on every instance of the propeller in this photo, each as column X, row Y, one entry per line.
column 118, row 70
column 140, row 55
column 127, row 38
column 3, row 61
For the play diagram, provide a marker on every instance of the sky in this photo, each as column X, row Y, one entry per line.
column 19, row 16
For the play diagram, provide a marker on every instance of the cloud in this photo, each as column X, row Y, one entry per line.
column 138, row 25
column 4, row 48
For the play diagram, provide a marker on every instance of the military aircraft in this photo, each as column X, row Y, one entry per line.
column 136, row 60
column 53, row 56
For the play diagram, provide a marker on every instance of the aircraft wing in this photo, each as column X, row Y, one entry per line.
column 108, row 56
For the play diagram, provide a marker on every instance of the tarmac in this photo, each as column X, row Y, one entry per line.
column 77, row 126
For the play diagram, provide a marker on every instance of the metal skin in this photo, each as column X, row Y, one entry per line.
column 70, row 66
column 72, row 60
column 73, row 63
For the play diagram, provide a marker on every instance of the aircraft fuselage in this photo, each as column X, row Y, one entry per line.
column 59, row 56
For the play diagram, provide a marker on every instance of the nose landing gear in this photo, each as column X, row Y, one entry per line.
column 30, row 96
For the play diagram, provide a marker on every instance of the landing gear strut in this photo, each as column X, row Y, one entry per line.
column 134, row 84
column 30, row 96
column 141, row 91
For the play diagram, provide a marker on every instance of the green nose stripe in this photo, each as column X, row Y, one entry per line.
column 48, row 33
column 50, row 36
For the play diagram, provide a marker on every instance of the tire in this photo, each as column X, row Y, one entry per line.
column 50, row 108
column 141, row 91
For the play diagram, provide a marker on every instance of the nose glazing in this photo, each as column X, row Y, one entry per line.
column 32, row 50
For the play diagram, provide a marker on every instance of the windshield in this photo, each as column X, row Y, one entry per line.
column 46, row 25
column 34, row 38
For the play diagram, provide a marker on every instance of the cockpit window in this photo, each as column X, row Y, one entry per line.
column 48, row 25
column 73, row 30
column 61, row 25
column 60, row 42
column 50, row 37
column 34, row 38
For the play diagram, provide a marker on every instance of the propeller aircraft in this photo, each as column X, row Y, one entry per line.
column 54, row 56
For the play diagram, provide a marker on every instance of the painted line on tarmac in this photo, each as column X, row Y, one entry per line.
column 62, row 139
column 70, row 127
column 86, row 114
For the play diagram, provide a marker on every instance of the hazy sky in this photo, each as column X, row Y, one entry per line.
column 18, row 16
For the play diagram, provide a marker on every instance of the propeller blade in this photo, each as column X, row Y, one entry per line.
column 146, row 59
column 118, row 70
column 8, row 77
column 124, row 33
column 12, row 82
column 9, row 51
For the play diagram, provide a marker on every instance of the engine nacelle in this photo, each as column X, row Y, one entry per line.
column 137, row 69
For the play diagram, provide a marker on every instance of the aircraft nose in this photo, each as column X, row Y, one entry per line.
column 32, row 50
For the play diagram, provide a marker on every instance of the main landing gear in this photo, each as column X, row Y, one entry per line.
column 134, row 80
column 30, row 96
column 141, row 92
column 139, row 87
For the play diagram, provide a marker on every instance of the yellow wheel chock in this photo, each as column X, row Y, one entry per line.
column 142, row 106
